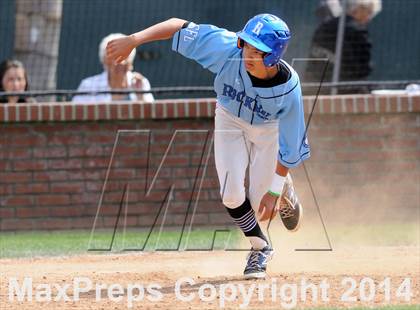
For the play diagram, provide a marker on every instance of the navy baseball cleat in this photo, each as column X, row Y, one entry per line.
column 257, row 263
column 290, row 209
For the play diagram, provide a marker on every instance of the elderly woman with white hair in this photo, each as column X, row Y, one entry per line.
column 115, row 76
column 356, row 49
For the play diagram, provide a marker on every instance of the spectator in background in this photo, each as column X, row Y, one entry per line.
column 356, row 50
column 13, row 78
column 328, row 9
column 115, row 76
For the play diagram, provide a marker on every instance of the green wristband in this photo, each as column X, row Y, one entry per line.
column 273, row 193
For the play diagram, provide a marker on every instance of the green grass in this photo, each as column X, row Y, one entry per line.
column 58, row 243
column 383, row 234
column 311, row 234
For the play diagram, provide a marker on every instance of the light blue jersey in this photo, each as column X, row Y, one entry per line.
column 216, row 50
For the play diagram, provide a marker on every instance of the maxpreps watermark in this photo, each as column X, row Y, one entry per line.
column 186, row 290
column 26, row 291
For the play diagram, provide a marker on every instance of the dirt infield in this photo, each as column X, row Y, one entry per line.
column 218, row 273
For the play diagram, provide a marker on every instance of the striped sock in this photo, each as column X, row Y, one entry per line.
column 244, row 218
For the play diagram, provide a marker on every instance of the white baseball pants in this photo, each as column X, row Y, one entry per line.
column 238, row 145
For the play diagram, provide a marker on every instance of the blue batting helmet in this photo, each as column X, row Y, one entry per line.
column 267, row 33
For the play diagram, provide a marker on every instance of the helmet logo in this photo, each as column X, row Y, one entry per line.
column 258, row 28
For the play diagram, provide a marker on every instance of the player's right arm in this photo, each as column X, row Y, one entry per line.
column 119, row 49
column 208, row 45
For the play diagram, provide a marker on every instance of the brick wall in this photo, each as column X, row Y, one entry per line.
column 55, row 158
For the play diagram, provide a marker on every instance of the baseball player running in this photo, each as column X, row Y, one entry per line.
column 259, row 121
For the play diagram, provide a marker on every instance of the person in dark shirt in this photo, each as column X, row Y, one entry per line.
column 356, row 50
column 328, row 9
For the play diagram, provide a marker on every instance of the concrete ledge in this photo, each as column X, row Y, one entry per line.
column 194, row 108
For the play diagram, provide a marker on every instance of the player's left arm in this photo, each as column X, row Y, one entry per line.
column 269, row 200
column 293, row 149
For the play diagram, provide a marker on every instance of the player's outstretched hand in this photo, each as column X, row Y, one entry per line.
column 267, row 207
column 118, row 49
